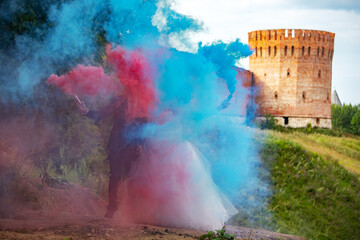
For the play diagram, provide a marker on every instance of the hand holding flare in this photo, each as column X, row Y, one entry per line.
column 81, row 105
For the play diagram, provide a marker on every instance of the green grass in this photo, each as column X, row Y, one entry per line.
column 345, row 149
column 312, row 197
column 311, row 130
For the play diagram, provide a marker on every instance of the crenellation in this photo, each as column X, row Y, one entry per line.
column 298, row 42
column 299, row 33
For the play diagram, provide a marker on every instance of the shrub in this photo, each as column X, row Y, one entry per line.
column 218, row 235
column 268, row 123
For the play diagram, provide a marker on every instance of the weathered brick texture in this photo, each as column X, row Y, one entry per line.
column 292, row 72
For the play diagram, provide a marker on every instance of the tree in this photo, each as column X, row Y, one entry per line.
column 346, row 118
column 355, row 123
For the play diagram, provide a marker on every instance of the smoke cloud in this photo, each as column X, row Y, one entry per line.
column 198, row 159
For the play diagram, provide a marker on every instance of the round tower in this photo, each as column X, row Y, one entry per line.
column 292, row 72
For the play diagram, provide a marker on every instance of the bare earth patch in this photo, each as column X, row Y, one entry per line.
column 75, row 212
column 65, row 228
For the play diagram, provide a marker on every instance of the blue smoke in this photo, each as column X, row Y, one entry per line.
column 68, row 39
column 224, row 57
column 190, row 85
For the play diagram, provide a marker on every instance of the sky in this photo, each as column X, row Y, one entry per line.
column 227, row 20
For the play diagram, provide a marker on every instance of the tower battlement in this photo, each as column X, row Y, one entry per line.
column 296, row 42
column 292, row 70
column 291, row 34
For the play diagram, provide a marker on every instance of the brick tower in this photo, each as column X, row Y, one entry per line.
column 292, row 72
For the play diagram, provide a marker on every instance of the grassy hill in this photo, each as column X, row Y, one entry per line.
column 314, row 176
column 344, row 149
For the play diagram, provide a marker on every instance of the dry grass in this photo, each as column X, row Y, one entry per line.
column 344, row 150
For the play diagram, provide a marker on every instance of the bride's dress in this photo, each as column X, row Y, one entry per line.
column 171, row 185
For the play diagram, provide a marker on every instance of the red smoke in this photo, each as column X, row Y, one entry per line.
column 164, row 197
column 132, row 70
column 84, row 80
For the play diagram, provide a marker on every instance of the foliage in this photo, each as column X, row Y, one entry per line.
column 16, row 189
column 65, row 144
column 312, row 198
column 355, row 123
column 31, row 18
column 24, row 19
column 218, row 235
column 308, row 127
column 309, row 130
column 269, row 122
column 346, row 118
column 58, row 140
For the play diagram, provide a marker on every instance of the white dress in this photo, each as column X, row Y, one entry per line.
column 171, row 185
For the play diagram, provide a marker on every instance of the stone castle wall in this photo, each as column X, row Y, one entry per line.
column 292, row 72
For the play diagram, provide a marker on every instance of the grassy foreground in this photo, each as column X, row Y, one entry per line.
column 314, row 193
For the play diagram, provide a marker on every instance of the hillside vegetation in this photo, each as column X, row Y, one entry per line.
column 345, row 149
column 346, row 118
column 315, row 183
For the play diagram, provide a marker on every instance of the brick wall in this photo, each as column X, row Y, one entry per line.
column 292, row 72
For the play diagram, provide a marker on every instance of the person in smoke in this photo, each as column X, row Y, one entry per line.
column 124, row 148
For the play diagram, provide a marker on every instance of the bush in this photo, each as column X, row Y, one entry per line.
column 218, row 235
column 268, row 123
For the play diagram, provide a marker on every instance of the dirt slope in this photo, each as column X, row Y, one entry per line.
column 99, row 228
